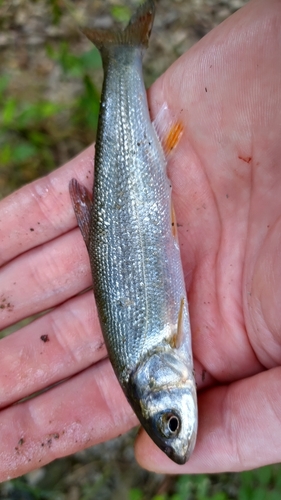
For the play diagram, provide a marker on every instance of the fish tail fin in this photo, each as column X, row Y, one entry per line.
column 136, row 33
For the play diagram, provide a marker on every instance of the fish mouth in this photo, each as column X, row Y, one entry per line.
column 178, row 458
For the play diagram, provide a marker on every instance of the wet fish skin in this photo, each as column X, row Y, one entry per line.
column 135, row 258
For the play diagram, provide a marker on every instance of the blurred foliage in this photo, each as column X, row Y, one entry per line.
column 259, row 484
column 121, row 13
column 35, row 133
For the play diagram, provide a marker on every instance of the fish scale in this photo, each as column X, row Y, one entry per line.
column 135, row 258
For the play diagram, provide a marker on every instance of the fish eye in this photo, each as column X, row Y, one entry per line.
column 173, row 423
column 169, row 424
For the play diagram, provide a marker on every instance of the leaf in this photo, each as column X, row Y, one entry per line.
column 9, row 111
column 135, row 494
column 121, row 13
column 23, row 151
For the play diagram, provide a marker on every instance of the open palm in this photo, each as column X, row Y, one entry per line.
column 226, row 178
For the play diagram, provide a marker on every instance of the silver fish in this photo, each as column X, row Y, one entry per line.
column 135, row 258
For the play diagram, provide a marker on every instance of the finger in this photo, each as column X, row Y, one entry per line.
column 56, row 346
column 239, row 429
column 42, row 210
column 43, row 277
column 88, row 409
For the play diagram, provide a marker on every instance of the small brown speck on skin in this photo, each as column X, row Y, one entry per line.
column 100, row 346
column 45, row 338
column 227, row 195
column 179, row 225
column 206, row 89
column 246, row 159
column 204, row 375
column 31, row 229
column 21, row 441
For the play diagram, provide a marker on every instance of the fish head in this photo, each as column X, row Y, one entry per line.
column 162, row 392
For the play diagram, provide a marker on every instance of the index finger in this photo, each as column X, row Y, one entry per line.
column 42, row 210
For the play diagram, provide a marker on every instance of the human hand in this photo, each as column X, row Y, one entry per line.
column 225, row 181
column 226, row 178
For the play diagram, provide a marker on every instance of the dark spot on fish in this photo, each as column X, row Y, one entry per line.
column 206, row 89
column 204, row 372
column 31, row 229
column 45, row 338
column 149, row 143
column 21, row 441
column 138, row 143
column 246, row 159
column 173, row 223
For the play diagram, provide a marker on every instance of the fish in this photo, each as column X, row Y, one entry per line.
column 129, row 229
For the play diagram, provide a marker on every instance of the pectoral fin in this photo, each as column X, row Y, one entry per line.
column 82, row 202
column 177, row 339
column 180, row 332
